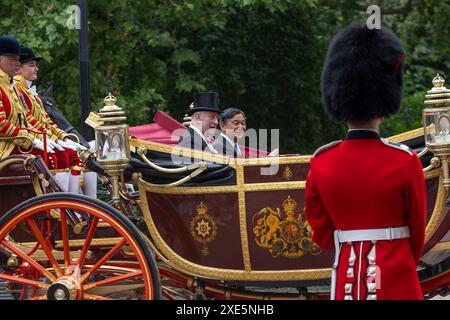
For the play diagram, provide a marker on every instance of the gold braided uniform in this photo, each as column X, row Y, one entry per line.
column 12, row 117
column 37, row 116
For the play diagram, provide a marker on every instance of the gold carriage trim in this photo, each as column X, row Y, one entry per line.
column 439, row 206
column 405, row 136
column 240, row 179
column 441, row 246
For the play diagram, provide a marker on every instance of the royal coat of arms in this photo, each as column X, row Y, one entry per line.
column 286, row 234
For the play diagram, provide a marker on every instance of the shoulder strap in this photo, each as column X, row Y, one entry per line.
column 326, row 147
column 398, row 146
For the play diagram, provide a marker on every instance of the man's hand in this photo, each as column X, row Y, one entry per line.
column 54, row 145
column 65, row 145
column 39, row 144
column 74, row 145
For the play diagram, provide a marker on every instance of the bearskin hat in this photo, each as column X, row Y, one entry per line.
column 362, row 77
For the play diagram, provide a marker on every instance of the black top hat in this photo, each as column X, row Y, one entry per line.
column 27, row 54
column 205, row 101
column 363, row 74
column 9, row 46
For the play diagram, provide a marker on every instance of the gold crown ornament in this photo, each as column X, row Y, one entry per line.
column 289, row 204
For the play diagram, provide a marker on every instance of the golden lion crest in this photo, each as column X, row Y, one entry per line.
column 288, row 235
column 203, row 227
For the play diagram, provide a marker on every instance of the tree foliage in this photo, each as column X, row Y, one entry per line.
column 264, row 56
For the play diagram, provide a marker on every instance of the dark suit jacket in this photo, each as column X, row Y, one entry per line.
column 192, row 140
column 223, row 146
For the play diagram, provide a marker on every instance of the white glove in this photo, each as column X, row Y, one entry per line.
column 75, row 145
column 39, row 144
column 49, row 147
column 65, row 145
column 54, row 145
column 69, row 145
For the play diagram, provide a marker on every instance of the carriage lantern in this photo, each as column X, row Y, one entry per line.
column 112, row 142
column 436, row 122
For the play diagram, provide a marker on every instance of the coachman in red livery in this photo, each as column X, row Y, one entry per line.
column 13, row 120
column 365, row 196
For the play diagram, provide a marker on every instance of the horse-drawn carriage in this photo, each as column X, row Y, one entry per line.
column 201, row 226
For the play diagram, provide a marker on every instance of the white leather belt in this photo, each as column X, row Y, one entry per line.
column 362, row 235
column 373, row 234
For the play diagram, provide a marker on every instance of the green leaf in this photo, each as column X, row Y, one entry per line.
column 183, row 55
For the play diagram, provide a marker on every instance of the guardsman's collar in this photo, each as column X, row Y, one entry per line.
column 354, row 134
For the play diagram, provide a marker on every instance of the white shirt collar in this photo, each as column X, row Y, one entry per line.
column 32, row 88
column 211, row 148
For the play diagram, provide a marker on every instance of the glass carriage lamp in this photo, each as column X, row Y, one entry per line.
column 436, row 123
column 112, row 142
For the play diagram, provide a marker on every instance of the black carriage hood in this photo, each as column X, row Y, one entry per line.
column 215, row 175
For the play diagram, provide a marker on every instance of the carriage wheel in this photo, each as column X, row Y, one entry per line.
column 76, row 265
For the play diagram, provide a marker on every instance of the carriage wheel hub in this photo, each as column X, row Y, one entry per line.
column 66, row 288
column 60, row 294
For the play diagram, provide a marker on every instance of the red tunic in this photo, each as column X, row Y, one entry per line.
column 39, row 119
column 364, row 182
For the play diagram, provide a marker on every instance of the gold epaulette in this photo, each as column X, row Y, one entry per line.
column 326, row 147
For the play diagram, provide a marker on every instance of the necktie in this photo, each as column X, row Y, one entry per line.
column 236, row 150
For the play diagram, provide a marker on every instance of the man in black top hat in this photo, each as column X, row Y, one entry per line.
column 205, row 117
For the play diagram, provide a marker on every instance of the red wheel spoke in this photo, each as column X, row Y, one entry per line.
column 168, row 295
column 24, row 281
column 65, row 237
column 103, row 260
column 49, row 227
column 112, row 280
column 28, row 259
column 43, row 243
column 88, row 240
column 94, row 297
